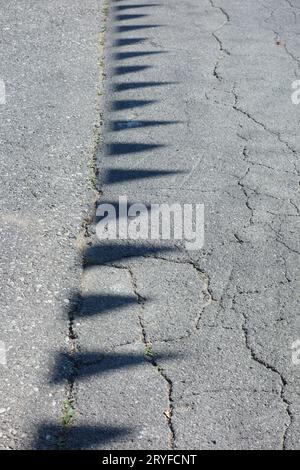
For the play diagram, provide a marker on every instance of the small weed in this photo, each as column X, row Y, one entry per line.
column 149, row 351
column 68, row 412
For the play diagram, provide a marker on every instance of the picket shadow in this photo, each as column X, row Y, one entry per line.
column 126, row 86
column 119, row 125
column 85, row 365
column 120, row 175
column 124, row 17
column 122, row 42
column 120, row 105
column 116, row 206
column 91, row 305
column 117, row 148
column 135, row 6
column 137, row 27
column 76, row 366
column 127, row 69
column 51, row 436
column 133, row 55
column 109, row 252
column 87, row 437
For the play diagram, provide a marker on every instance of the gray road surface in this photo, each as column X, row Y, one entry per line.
column 49, row 55
column 167, row 348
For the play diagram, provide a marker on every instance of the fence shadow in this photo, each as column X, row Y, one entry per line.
column 76, row 366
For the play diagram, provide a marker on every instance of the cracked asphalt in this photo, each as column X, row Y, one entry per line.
column 142, row 344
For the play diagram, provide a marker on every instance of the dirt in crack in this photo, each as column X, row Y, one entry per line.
column 69, row 402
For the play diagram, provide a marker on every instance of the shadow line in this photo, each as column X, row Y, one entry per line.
column 95, row 363
column 119, row 105
column 116, row 149
column 48, row 436
column 119, row 125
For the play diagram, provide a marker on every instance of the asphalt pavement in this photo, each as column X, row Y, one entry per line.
column 49, row 64
column 144, row 344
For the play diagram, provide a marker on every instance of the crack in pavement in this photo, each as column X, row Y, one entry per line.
column 246, row 158
column 261, row 124
column 243, row 188
column 82, row 237
column 269, row 367
column 147, row 341
column 247, row 193
column 168, row 413
column 218, row 40
column 291, row 4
